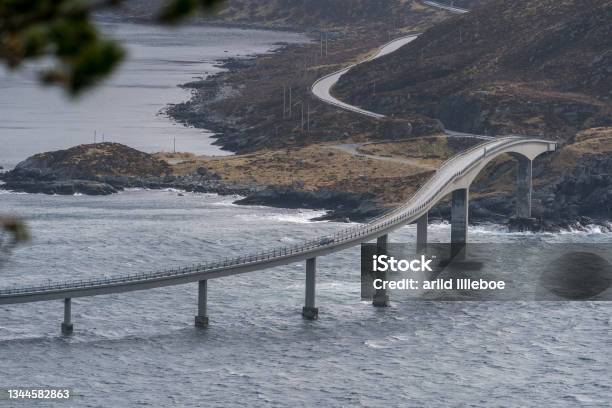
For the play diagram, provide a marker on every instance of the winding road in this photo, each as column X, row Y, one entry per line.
column 456, row 173
column 322, row 86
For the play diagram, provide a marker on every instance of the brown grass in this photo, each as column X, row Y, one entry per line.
column 312, row 168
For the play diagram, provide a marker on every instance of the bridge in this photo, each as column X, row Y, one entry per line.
column 453, row 178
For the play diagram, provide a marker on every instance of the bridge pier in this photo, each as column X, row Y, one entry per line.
column 459, row 222
column 309, row 311
column 201, row 320
column 381, row 297
column 381, row 243
column 67, row 327
column 524, row 187
column 422, row 231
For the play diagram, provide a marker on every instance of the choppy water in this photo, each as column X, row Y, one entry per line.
column 125, row 108
column 141, row 349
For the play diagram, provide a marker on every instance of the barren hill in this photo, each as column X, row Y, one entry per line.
column 302, row 15
column 524, row 66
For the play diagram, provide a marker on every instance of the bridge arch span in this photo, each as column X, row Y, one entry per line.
column 522, row 149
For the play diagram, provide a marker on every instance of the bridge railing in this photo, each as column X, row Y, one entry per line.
column 393, row 217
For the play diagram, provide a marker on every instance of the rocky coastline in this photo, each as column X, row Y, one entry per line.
column 244, row 105
column 340, row 206
column 577, row 201
column 96, row 170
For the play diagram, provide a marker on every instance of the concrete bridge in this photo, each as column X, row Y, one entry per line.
column 453, row 178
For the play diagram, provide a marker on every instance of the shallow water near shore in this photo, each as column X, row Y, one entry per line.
column 141, row 348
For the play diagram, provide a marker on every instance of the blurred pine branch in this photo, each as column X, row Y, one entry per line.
column 64, row 31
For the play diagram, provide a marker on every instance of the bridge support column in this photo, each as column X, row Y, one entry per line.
column 422, row 232
column 381, row 244
column 459, row 222
column 309, row 311
column 67, row 327
column 381, row 297
column 523, row 188
column 201, row 320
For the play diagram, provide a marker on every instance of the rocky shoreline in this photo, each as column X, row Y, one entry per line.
column 577, row 201
column 244, row 106
column 66, row 172
column 206, row 92
column 340, row 206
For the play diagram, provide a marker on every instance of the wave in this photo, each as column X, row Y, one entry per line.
column 591, row 229
column 12, row 192
column 301, row 217
column 605, row 228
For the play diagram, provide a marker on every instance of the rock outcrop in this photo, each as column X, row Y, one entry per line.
column 95, row 169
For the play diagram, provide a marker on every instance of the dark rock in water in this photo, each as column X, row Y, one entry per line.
column 518, row 224
column 67, row 187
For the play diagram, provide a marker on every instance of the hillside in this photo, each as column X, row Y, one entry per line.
column 297, row 15
column 300, row 14
column 524, row 66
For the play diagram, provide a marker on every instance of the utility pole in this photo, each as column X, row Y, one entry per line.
column 94, row 137
column 308, row 119
column 174, row 144
column 365, row 169
column 302, row 103
column 284, row 100
column 326, row 44
column 289, row 101
column 321, row 43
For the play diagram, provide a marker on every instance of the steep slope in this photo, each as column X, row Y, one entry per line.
column 525, row 66
column 298, row 14
column 315, row 13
